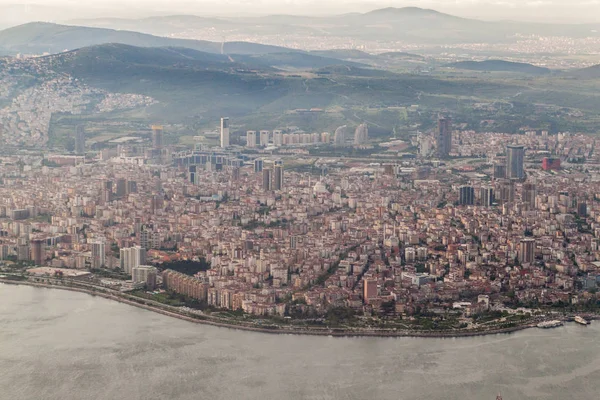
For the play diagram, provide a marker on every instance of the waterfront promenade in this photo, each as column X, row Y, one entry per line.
column 203, row 318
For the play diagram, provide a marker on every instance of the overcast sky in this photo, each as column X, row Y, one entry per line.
column 524, row 10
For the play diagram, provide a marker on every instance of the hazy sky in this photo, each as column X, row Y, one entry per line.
column 533, row 10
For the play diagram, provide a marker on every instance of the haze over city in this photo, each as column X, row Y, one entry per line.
column 300, row 199
column 566, row 11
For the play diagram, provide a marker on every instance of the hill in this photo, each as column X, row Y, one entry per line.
column 499, row 66
column 187, row 83
column 592, row 72
column 400, row 55
column 344, row 54
column 105, row 57
column 115, row 54
column 192, row 89
column 297, row 60
column 341, row 70
column 41, row 37
column 159, row 25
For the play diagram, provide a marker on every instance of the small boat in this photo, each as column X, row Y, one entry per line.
column 549, row 324
column 581, row 320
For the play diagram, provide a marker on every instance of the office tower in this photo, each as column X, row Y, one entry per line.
column 145, row 274
column 37, row 251
column 527, row 251
column 80, row 140
column 486, row 196
column 444, row 137
column 251, row 139
column 361, row 134
column 505, row 191
column 466, row 196
column 131, row 187
column 278, row 138
column 528, row 195
column 500, row 170
column 98, row 254
column 582, row 209
column 264, row 138
column 157, row 137
column 551, row 164
column 156, row 203
column 515, row 156
column 235, row 174
column 339, row 137
column 121, row 187
column 267, row 179
column 192, row 173
column 107, row 192
column 132, row 257
column 278, row 177
column 225, row 132
column 369, row 290
column 258, row 165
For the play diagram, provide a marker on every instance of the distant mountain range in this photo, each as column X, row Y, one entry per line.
column 409, row 24
column 41, row 37
column 394, row 25
column 500, row 66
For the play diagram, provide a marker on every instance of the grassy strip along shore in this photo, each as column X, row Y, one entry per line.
column 273, row 329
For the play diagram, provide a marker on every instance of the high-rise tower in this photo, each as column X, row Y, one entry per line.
column 339, row 137
column 37, row 251
column 98, row 254
column 486, row 196
column 224, row 132
column 444, row 137
column 361, row 135
column 264, row 138
column 278, row 176
column 80, row 140
column 527, row 251
column 528, row 195
column 515, row 157
column 466, row 196
column 251, row 139
column 267, row 179
column 157, row 136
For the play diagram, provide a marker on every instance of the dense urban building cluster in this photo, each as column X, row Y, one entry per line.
column 26, row 110
column 402, row 237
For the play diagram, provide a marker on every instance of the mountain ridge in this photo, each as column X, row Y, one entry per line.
column 46, row 37
column 499, row 66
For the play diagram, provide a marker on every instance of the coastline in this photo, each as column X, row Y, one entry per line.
column 163, row 309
